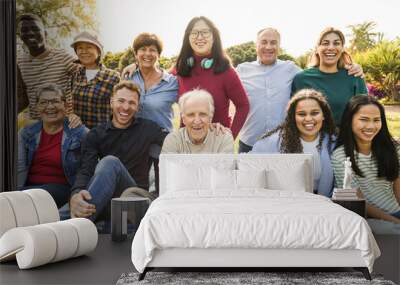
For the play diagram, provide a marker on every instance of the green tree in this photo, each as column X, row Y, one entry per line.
column 61, row 18
column 286, row 56
column 126, row 59
column 302, row 60
column 363, row 36
column 381, row 65
column 111, row 60
column 167, row 63
column 242, row 53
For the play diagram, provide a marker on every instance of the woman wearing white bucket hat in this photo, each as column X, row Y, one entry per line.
column 92, row 85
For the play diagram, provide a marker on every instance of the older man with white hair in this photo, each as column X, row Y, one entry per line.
column 197, row 110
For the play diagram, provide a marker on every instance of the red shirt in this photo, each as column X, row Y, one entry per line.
column 47, row 162
column 223, row 87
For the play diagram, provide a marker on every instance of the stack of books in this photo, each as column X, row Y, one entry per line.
column 344, row 194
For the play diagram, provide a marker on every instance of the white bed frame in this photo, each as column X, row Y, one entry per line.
column 250, row 257
column 256, row 258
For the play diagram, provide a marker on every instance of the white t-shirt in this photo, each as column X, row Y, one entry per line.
column 91, row 73
column 311, row 148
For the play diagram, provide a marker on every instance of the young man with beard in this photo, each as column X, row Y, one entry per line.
column 115, row 155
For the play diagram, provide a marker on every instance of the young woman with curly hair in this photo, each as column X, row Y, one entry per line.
column 308, row 128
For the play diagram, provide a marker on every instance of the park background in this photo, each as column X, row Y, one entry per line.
column 371, row 28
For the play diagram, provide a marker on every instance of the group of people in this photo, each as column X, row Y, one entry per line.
column 279, row 108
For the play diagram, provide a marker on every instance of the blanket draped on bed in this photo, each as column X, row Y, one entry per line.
column 250, row 219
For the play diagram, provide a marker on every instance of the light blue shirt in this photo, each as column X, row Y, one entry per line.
column 156, row 103
column 268, row 88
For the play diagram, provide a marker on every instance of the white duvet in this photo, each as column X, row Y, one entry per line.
column 250, row 219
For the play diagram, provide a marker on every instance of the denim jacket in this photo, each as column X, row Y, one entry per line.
column 28, row 142
column 271, row 144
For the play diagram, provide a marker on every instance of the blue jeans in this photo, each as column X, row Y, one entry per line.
column 397, row 214
column 59, row 192
column 110, row 179
column 244, row 147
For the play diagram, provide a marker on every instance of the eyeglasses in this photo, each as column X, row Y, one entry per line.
column 44, row 103
column 194, row 34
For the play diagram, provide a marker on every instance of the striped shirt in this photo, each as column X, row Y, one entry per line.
column 377, row 191
column 55, row 67
column 92, row 97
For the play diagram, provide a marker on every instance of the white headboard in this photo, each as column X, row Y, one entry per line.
column 285, row 170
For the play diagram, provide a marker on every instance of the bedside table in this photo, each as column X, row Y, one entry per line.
column 357, row 206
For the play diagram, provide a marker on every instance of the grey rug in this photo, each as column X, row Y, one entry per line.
column 243, row 278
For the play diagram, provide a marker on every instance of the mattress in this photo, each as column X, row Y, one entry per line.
column 250, row 219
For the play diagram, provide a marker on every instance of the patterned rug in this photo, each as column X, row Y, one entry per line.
column 243, row 278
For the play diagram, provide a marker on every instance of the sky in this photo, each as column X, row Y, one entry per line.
column 299, row 22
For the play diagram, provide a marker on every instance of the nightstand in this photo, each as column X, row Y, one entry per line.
column 357, row 206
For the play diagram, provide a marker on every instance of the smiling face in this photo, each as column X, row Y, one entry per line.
column 147, row 56
column 124, row 106
column 366, row 124
column 267, row 46
column 33, row 36
column 51, row 107
column 330, row 50
column 309, row 118
column 87, row 54
column 197, row 119
column 201, row 39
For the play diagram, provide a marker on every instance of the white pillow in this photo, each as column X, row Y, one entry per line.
column 251, row 178
column 292, row 172
column 223, row 179
column 279, row 179
column 188, row 177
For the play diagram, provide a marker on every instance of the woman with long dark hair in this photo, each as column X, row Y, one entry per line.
column 308, row 128
column 202, row 63
column 374, row 156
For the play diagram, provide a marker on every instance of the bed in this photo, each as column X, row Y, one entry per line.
column 247, row 211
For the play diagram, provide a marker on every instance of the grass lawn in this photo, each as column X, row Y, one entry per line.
column 393, row 121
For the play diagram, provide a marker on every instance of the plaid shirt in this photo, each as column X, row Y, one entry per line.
column 92, row 98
